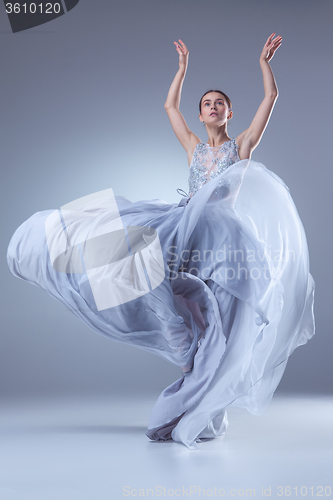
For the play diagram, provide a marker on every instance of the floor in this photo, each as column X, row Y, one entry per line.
column 94, row 450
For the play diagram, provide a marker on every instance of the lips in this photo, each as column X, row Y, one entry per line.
column 213, row 114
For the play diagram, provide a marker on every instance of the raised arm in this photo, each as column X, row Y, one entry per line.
column 250, row 138
column 187, row 139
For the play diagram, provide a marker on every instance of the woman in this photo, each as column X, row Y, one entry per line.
column 215, row 111
column 218, row 284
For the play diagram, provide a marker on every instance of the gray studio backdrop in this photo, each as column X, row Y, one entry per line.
column 82, row 110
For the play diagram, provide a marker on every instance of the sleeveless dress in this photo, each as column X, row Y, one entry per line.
column 218, row 284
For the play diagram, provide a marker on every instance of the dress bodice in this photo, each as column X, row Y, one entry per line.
column 208, row 162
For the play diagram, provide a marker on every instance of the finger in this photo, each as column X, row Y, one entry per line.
column 274, row 50
column 269, row 40
column 179, row 45
column 178, row 50
column 183, row 45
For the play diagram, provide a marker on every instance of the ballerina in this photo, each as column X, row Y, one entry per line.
column 218, row 284
column 215, row 107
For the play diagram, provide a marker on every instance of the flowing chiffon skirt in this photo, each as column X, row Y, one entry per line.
column 218, row 284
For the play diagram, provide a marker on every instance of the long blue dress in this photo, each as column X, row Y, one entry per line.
column 218, row 284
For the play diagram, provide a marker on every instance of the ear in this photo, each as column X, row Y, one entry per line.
column 231, row 114
column 200, row 117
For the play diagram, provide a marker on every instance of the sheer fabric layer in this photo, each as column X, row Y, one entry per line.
column 228, row 294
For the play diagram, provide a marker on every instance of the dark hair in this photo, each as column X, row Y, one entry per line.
column 220, row 92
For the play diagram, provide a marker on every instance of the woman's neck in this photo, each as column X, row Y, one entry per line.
column 217, row 137
column 217, row 141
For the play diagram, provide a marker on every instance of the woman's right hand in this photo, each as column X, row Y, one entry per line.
column 183, row 53
column 187, row 139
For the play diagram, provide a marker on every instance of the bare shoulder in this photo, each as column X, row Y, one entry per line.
column 244, row 147
column 193, row 143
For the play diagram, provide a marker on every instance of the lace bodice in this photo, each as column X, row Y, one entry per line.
column 208, row 162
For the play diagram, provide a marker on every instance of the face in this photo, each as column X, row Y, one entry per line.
column 214, row 109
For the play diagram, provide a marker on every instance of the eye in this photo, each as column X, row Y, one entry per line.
column 206, row 103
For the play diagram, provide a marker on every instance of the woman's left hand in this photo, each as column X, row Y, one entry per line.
column 270, row 47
